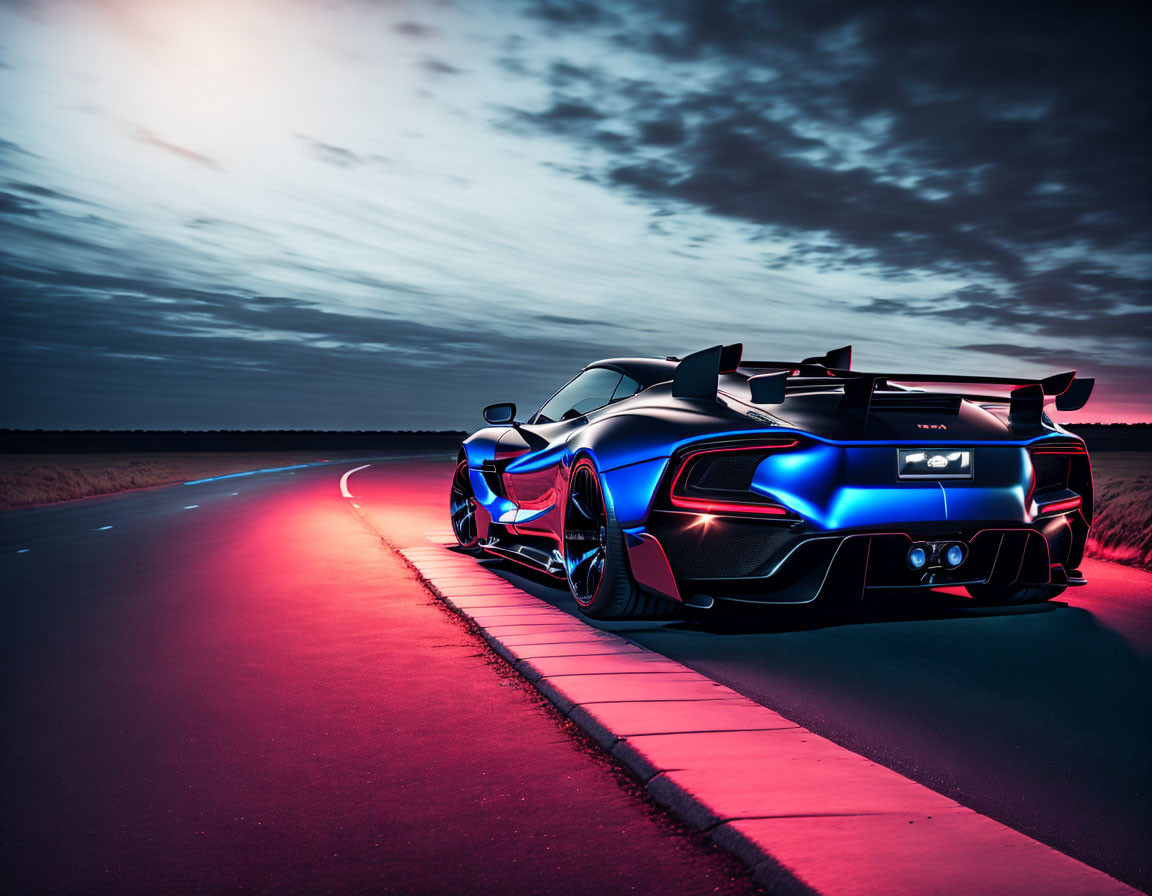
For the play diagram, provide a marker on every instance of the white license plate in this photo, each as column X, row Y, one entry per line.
column 934, row 463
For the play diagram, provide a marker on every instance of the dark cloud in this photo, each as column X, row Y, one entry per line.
column 140, row 350
column 414, row 29
column 331, row 154
column 997, row 145
column 1000, row 144
column 11, row 204
column 43, row 192
column 143, row 135
column 8, row 149
column 340, row 156
column 572, row 12
column 437, row 67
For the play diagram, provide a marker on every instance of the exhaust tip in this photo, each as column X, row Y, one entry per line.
column 954, row 555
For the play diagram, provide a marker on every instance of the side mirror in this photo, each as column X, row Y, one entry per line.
column 500, row 414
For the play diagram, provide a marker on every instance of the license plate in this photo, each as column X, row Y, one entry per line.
column 934, row 463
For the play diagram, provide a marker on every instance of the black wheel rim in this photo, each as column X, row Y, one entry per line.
column 585, row 534
column 462, row 506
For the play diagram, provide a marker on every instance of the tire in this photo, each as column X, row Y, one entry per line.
column 594, row 559
column 462, row 509
column 1003, row 595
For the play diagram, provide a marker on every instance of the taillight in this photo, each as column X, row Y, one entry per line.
column 1058, row 468
column 1061, row 506
column 719, row 480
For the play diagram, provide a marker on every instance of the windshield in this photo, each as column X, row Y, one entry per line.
column 590, row 390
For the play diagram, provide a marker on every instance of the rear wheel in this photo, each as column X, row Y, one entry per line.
column 1014, row 594
column 594, row 560
column 462, row 507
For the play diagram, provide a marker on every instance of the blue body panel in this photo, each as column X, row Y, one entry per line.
column 832, row 485
column 854, row 486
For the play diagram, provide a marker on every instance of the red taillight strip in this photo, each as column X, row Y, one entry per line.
column 718, row 507
column 1058, row 506
column 703, row 505
column 1078, row 450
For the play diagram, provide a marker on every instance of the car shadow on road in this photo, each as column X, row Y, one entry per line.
column 742, row 619
column 732, row 618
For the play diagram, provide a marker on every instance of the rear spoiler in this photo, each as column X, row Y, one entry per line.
column 837, row 359
column 697, row 376
column 1025, row 402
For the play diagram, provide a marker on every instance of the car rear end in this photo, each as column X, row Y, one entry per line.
column 792, row 518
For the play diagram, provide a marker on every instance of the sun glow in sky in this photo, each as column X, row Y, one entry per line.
column 280, row 213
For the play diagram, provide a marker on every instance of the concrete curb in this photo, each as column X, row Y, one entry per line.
column 806, row 815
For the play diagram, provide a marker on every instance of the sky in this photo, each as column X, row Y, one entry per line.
column 353, row 215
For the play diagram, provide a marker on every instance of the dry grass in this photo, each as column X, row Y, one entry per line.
column 30, row 479
column 1122, row 529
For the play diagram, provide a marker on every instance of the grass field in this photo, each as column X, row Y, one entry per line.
column 1122, row 530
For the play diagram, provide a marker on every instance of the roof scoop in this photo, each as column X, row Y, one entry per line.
column 837, row 359
column 698, row 375
column 768, row 388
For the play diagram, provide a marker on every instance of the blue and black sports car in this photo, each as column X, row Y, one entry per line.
column 652, row 483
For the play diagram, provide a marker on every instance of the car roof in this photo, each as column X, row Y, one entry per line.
column 646, row 371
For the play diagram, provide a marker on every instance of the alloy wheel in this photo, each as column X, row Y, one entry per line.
column 585, row 534
column 462, row 506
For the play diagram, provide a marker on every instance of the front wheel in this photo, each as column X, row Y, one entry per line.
column 462, row 507
column 1001, row 595
column 594, row 560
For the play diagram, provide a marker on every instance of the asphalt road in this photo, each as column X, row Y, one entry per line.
column 235, row 687
column 1038, row 716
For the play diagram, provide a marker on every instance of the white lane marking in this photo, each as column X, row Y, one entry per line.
column 344, row 480
column 191, row 506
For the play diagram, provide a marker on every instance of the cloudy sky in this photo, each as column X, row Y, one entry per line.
column 287, row 213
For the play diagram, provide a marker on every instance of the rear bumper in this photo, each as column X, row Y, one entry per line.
column 781, row 564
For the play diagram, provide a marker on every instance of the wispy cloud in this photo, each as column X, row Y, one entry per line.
column 145, row 136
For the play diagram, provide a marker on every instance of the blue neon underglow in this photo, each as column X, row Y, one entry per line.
column 252, row 473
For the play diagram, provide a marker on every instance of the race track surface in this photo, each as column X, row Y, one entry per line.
column 234, row 684
column 1038, row 716
column 235, row 687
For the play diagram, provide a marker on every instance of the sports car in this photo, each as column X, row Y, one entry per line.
column 654, row 484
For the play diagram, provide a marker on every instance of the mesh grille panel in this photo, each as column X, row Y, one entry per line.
column 725, row 471
column 1051, row 470
column 725, row 551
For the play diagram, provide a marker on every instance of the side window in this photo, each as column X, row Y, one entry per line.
column 627, row 388
column 592, row 389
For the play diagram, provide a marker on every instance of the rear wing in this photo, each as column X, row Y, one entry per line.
column 1025, row 401
column 697, row 376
